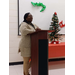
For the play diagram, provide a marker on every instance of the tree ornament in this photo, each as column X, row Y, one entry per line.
column 55, row 13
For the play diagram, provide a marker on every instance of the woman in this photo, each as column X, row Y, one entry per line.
column 25, row 42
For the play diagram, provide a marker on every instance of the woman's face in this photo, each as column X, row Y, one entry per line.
column 29, row 18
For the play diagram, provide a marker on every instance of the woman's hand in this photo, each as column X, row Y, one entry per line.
column 37, row 29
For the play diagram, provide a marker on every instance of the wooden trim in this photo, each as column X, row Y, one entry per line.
column 18, row 17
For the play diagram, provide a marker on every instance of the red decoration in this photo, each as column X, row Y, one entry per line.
column 56, row 42
column 55, row 13
column 52, row 42
column 61, row 24
column 29, row 60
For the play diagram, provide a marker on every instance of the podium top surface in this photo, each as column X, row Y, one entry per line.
column 41, row 31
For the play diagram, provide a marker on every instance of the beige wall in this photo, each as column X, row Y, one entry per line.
column 13, row 32
column 62, row 38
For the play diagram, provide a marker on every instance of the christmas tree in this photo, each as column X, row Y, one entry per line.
column 54, row 26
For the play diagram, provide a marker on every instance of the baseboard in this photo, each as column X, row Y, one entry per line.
column 56, row 59
column 50, row 60
column 15, row 63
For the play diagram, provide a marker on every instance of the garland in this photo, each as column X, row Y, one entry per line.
column 39, row 4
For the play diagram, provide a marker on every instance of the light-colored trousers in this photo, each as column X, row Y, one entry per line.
column 26, row 65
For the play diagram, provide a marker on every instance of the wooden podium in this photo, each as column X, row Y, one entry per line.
column 39, row 52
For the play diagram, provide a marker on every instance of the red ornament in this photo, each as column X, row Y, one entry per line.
column 52, row 42
column 61, row 24
column 57, row 42
column 55, row 13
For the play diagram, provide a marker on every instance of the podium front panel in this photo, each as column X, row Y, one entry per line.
column 43, row 57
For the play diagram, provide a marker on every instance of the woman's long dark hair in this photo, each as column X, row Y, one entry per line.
column 25, row 16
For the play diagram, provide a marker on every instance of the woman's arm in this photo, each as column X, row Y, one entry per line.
column 24, row 30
